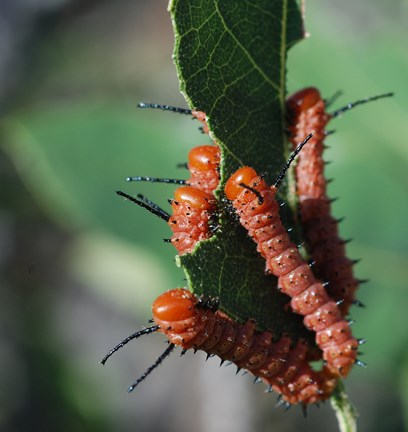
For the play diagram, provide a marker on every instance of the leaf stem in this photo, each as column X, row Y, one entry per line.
column 345, row 412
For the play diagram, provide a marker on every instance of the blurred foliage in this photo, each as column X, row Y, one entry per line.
column 74, row 134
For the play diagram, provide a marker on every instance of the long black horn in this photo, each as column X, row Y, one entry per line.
column 150, row 369
column 135, row 335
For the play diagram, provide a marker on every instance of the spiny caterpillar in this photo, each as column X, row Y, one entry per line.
column 192, row 323
column 192, row 213
column 306, row 113
column 258, row 212
column 203, row 164
column 193, row 204
column 190, row 221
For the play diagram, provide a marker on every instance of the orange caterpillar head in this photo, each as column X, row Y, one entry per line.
column 204, row 158
column 176, row 314
column 174, row 305
column 243, row 176
column 197, row 199
column 302, row 101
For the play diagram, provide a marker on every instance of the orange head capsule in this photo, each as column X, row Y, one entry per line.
column 174, row 305
column 196, row 198
column 234, row 184
column 302, row 100
column 204, row 158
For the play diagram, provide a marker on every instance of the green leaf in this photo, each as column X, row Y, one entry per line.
column 231, row 58
column 231, row 61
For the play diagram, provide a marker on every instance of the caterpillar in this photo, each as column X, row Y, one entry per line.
column 190, row 222
column 192, row 323
column 258, row 211
column 194, row 203
column 192, row 214
column 203, row 164
column 306, row 111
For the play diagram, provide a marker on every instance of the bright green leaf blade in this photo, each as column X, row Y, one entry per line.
column 231, row 60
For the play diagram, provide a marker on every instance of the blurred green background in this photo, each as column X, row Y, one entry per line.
column 79, row 267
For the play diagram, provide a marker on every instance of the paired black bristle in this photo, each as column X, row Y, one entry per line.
column 288, row 163
column 359, row 102
column 150, row 369
column 146, row 204
column 135, row 335
column 156, row 180
column 171, row 108
column 253, row 190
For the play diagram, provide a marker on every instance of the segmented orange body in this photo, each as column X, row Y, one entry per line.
column 192, row 211
column 203, row 164
column 279, row 364
column 194, row 206
column 307, row 113
column 258, row 211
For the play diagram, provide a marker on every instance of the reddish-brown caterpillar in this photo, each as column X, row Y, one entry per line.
column 203, row 164
column 306, row 111
column 192, row 211
column 190, row 222
column 281, row 364
column 194, row 203
column 258, row 211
